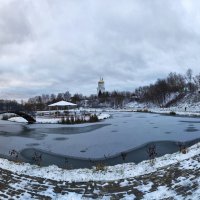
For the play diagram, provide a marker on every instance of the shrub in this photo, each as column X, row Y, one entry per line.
column 93, row 118
column 72, row 120
column 182, row 148
column 151, row 151
column 123, row 155
column 68, row 121
column 14, row 154
column 142, row 110
column 67, row 165
column 57, row 113
column 172, row 113
column 63, row 120
column 37, row 158
column 100, row 166
column 78, row 120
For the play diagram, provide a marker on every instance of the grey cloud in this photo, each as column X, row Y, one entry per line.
column 14, row 25
column 52, row 46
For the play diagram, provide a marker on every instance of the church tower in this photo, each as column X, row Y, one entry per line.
column 101, row 87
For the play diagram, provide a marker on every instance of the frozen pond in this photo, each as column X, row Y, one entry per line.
column 123, row 132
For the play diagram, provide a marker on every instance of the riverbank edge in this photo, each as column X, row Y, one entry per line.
column 110, row 173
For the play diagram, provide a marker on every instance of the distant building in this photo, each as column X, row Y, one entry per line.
column 101, row 87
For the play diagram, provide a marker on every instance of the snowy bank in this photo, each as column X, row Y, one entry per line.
column 103, row 116
column 192, row 109
column 116, row 172
column 18, row 119
column 38, row 120
column 177, row 111
column 42, row 120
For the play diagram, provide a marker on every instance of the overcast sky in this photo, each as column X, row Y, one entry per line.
column 51, row 46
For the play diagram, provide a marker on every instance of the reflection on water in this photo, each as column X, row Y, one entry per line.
column 191, row 129
column 13, row 129
column 61, row 138
column 190, row 121
column 127, row 115
column 71, row 130
column 121, row 133
column 32, row 144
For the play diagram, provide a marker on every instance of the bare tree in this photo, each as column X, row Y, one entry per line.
column 189, row 78
column 67, row 96
column 197, row 81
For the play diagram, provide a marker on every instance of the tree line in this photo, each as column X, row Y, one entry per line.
column 107, row 99
column 157, row 93
column 10, row 105
column 174, row 83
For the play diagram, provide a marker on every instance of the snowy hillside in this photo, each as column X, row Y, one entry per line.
column 190, row 101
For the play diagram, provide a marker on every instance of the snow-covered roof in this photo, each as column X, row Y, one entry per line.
column 62, row 103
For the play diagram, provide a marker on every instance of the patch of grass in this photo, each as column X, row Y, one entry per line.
column 100, row 166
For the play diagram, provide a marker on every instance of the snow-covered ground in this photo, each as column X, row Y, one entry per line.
column 189, row 105
column 136, row 105
column 121, row 171
column 176, row 110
